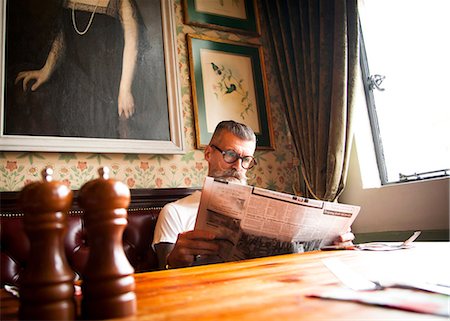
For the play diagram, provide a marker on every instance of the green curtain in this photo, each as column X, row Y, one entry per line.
column 315, row 55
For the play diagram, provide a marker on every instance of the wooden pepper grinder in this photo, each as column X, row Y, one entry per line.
column 46, row 284
column 108, row 281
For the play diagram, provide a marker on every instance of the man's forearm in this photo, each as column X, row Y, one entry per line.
column 163, row 249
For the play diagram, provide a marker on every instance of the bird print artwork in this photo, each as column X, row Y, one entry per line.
column 227, row 84
column 230, row 89
column 216, row 69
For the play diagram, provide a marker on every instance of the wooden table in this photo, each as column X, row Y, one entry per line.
column 273, row 288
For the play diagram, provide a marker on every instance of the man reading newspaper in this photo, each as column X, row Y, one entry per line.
column 176, row 242
column 251, row 222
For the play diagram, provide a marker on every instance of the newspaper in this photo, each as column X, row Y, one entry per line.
column 253, row 222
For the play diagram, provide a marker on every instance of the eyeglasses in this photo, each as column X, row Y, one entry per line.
column 230, row 156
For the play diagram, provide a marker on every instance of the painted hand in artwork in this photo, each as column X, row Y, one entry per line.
column 126, row 104
column 39, row 76
column 42, row 75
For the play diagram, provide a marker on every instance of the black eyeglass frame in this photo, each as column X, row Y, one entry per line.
column 227, row 152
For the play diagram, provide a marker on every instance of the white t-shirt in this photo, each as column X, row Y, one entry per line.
column 176, row 217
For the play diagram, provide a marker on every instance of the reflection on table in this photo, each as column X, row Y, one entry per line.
column 277, row 288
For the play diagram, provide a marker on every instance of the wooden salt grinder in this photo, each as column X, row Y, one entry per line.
column 108, row 281
column 46, row 284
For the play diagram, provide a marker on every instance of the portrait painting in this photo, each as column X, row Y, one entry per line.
column 97, row 73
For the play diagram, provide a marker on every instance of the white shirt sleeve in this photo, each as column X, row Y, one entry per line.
column 176, row 218
column 168, row 225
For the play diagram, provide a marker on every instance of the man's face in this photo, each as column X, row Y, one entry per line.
column 218, row 168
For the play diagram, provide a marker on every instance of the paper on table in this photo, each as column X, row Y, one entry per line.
column 403, row 299
column 375, row 246
column 382, row 246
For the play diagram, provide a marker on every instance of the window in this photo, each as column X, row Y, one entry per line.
column 405, row 62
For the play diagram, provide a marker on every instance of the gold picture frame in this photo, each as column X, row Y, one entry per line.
column 163, row 105
column 228, row 15
column 229, row 82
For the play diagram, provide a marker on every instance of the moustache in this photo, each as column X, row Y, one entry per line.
column 230, row 175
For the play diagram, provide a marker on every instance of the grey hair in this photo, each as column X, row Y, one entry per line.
column 242, row 131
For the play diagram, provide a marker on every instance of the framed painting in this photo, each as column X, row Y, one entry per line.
column 229, row 83
column 90, row 76
column 228, row 15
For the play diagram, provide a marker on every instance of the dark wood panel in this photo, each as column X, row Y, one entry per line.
column 140, row 198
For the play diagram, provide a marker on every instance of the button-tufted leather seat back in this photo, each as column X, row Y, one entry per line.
column 137, row 237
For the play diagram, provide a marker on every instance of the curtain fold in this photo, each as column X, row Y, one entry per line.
column 315, row 55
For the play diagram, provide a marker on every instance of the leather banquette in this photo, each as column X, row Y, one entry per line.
column 143, row 212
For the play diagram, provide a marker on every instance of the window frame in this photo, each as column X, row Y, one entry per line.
column 371, row 109
column 375, row 128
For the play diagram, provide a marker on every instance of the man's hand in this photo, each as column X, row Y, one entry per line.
column 345, row 239
column 190, row 244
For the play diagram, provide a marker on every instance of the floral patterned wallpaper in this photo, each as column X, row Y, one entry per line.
column 276, row 169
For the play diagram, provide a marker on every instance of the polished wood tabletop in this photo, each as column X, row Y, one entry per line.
column 274, row 288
